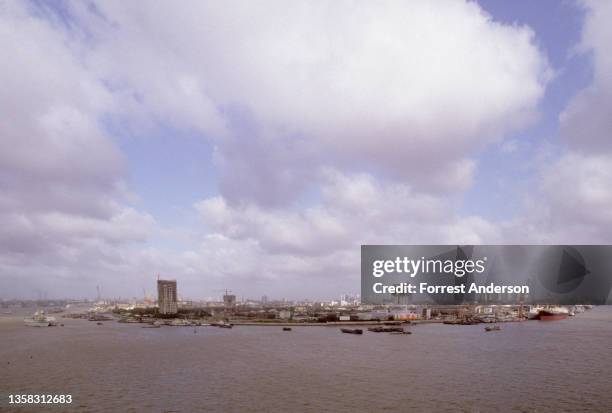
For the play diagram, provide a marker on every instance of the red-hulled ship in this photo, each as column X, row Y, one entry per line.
column 553, row 313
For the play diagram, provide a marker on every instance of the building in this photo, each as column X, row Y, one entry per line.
column 284, row 314
column 166, row 296
column 229, row 301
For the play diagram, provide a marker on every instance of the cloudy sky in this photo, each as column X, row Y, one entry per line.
column 255, row 145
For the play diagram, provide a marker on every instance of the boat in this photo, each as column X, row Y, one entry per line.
column 178, row 322
column 381, row 329
column 534, row 312
column 99, row 323
column 221, row 324
column 399, row 333
column 553, row 313
column 99, row 317
column 352, row 330
column 129, row 320
column 153, row 325
column 492, row 328
column 462, row 322
column 39, row 319
column 286, row 328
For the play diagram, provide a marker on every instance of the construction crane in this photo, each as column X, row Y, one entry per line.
column 225, row 292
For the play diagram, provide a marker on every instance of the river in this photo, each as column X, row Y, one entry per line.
column 532, row 366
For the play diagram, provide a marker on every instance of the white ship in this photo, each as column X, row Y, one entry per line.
column 178, row 322
column 534, row 312
column 39, row 319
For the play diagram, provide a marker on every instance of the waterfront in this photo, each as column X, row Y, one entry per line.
column 527, row 366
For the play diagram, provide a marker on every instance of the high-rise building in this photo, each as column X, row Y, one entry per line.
column 229, row 301
column 166, row 296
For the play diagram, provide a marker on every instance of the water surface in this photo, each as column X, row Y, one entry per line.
column 529, row 366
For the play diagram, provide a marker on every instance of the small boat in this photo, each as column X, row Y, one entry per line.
column 492, row 328
column 99, row 317
column 352, row 330
column 179, row 322
column 221, row 324
column 128, row 320
column 286, row 328
column 39, row 319
column 381, row 329
column 99, row 323
column 399, row 333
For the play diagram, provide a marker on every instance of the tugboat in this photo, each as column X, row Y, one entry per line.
column 352, row 330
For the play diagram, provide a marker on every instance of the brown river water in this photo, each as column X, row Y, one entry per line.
column 532, row 366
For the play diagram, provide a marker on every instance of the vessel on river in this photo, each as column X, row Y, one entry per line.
column 39, row 319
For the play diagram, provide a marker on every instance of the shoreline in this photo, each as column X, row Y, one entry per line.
column 336, row 323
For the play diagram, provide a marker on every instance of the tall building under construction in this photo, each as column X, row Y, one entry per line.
column 166, row 296
column 229, row 301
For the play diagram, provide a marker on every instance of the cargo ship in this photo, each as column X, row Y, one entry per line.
column 553, row 313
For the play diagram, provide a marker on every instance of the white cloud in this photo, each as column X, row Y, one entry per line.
column 573, row 201
column 571, row 205
column 586, row 124
column 61, row 177
column 353, row 210
column 295, row 97
column 379, row 84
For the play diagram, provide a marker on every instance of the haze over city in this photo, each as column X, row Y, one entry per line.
column 255, row 146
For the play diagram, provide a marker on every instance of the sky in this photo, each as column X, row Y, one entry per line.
column 254, row 146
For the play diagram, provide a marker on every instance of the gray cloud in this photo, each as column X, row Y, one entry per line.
column 374, row 86
column 61, row 177
column 372, row 113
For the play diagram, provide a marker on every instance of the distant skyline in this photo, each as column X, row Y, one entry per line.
column 255, row 146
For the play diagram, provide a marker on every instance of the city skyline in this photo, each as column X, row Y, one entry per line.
column 256, row 148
